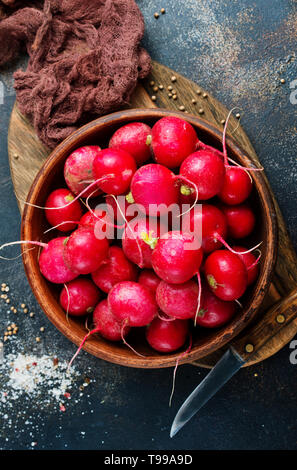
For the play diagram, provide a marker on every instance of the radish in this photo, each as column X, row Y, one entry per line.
column 140, row 238
column 250, row 261
column 63, row 217
column 165, row 337
column 178, row 300
column 113, row 170
column 134, row 138
column 226, row 274
column 84, row 252
column 154, row 189
column 177, row 257
column 100, row 221
column 106, row 324
column 240, row 220
column 132, row 303
column 214, row 312
column 79, row 296
column 52, row 264
column 149, row 279
column 237, row 186
column 213, row 223
column 206, row 170
column 115, row 268
column 78, row 169
column 90, row 218
column 51, row 260
column 173, row 139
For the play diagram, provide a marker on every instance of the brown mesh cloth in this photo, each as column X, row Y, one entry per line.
column 85, row 60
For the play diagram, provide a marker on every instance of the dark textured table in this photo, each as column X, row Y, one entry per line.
column 239, row 51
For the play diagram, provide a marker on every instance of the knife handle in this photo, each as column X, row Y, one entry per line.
column 273, row 320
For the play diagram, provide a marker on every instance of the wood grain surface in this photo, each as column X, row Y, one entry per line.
column 27, row 154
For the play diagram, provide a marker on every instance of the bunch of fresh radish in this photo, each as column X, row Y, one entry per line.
column 172, row 282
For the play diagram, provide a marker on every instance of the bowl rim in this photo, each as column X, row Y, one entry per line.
column 225, row 334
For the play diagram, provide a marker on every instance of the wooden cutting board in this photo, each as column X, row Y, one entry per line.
column 27, row 154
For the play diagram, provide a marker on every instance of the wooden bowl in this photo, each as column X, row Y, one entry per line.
column 34, row 224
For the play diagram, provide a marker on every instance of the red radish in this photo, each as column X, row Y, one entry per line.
column 90, row 219
column 177, row 257
column 84, row 252
column 250, row 261
column 79, row 296
column 134, row 138
column 100, row 221
column 61, row 217
column 214, row 312
column 140, row 238
column 240, row 220
column 173, row 139
column 115, row 268
column 226, row 274
column 213, row 223
column 106, row 324
column 149, row 279
column 51, row 262
column 167, row 336
column 206, row 170
column 178, row 300
column 113, row 170
column 154, row 185
column 78, row 169
column 132, row 303
column 237, row 186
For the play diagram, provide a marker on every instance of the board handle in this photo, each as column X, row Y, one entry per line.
column 273, row 320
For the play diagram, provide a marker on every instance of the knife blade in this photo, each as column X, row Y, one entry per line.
column 225, row 368
column 240, row 350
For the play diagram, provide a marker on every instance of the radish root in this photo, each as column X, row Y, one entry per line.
column 199, row 297
column 62, row 223
column 20, row 242
column 96, row 330
column 175, row 368
column 68, row 303
column 225, row 148
column 189, row 182
column 256, row 261
column 218, row 237
column 124, row 324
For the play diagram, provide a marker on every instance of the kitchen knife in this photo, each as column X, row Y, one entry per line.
column 240, row 350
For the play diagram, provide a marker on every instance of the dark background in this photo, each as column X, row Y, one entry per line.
column 238, row 50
